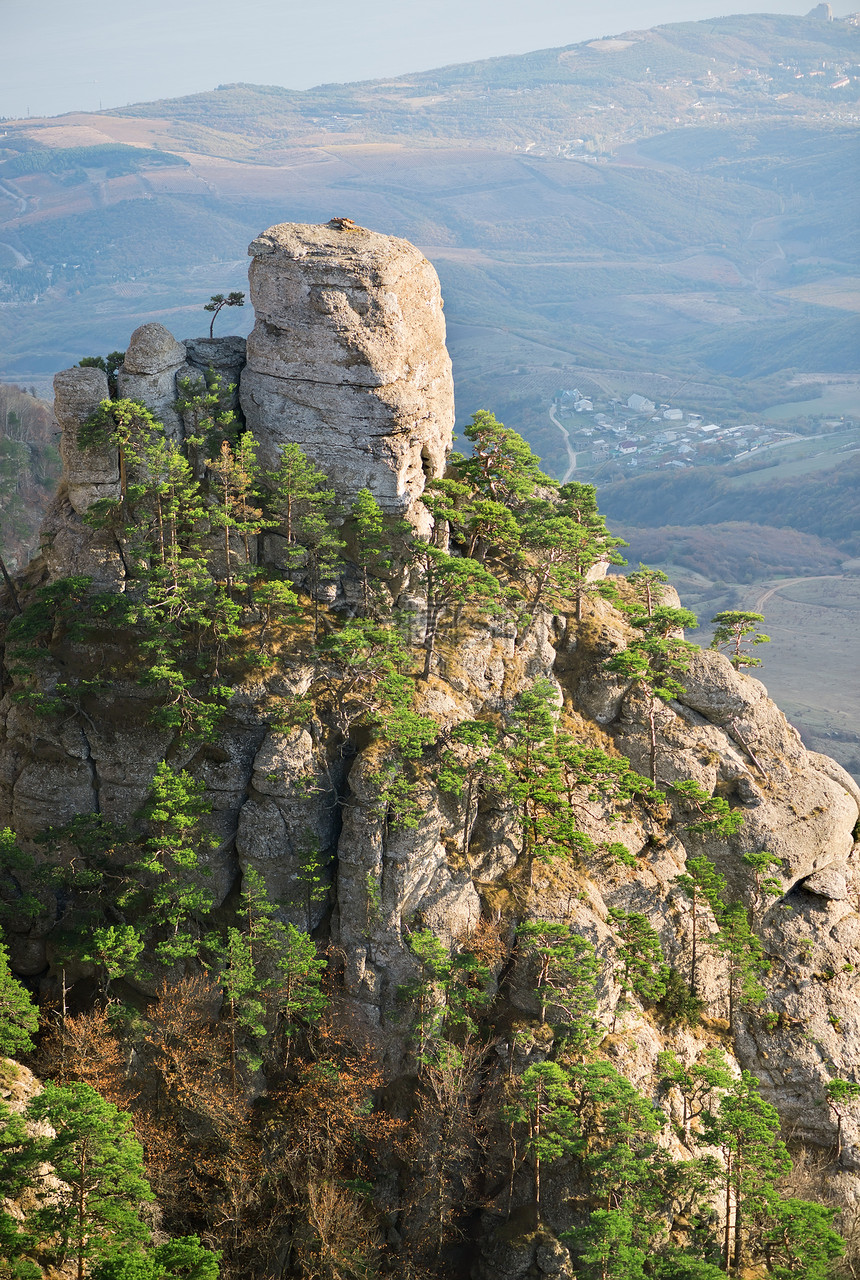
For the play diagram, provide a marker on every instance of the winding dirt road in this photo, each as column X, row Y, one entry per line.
column 792, row 582
column 571, row 456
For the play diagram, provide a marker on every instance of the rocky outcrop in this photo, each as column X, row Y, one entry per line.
column 90, row 474
column 69, row 546
column 153, row 361
column 225, row 357
column 348, row 360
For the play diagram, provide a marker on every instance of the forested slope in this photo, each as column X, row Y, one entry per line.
column 429, row 904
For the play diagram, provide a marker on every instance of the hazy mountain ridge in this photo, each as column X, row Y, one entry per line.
column 628, row 70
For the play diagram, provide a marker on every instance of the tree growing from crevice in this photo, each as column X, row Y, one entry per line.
column 566, row 971
column 705, row 887
column 644, row 972
column 217, row 303
column 746, row 964
column 650, row 586
column 843, row 1100
column 654, row 664
column 447, row 582
column 731, row 629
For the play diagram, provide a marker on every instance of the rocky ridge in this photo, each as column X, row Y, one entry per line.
column 347, row 359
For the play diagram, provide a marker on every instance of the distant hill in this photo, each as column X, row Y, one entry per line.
column 826, row 505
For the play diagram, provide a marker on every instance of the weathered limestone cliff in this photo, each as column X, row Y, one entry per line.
column 347, row 358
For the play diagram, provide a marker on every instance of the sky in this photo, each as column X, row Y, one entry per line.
column 80, row 55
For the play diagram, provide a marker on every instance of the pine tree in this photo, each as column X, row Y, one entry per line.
column 712, row 815
column 128, row 425
column 373, row 550
column 703, row 885
column 233, row 299
column 561, row 541
column 502, row 466
column 536, row 781
column 363, row 660
column 764, row 883
column 556, row 552
column 297, row 995
column 448, row 581
column 608, row 1251
column 203, row 404
column 294, row 490
column 644, row 973
column 244, row 1008
column 116, row 950
column 626, row 1166
column 654, row 663
column 799, row 1240
column 842, row 1096
column 545, row 1105
column 271, row 975
column 567, row 970
column 312, row 876
column 236, row 475
column 731, row 631
column 695, row 1083
column 491, row 531
column 449, row 993
column 745, row 959
column 19, row 1018
column 18, row 1244
column 578, row 502
column 96, row 1204
column 477, row 763
column 170, row 895
column 650, row 586
column 591, row 775
column 746, row 1130
column 323, row 552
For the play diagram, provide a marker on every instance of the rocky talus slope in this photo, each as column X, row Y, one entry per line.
column 347, row 359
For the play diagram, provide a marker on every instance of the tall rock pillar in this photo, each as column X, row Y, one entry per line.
column 348, row 360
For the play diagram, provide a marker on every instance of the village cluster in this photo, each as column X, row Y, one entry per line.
column 639, row 432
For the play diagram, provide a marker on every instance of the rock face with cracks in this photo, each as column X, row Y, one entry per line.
column 347, row 359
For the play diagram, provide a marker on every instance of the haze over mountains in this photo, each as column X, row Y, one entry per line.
column 671, row 213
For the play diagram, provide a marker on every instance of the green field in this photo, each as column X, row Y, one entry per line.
column 834, row 402
column 800, row 458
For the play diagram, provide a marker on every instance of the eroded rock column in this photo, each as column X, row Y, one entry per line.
column 348, row 360
column 152, row 362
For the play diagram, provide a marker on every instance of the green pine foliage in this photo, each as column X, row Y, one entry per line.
column 19, row 1018
column 731, row 629
column 96, row 1206
column 565, row 980
column 644, row 973
column 75, row 1157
